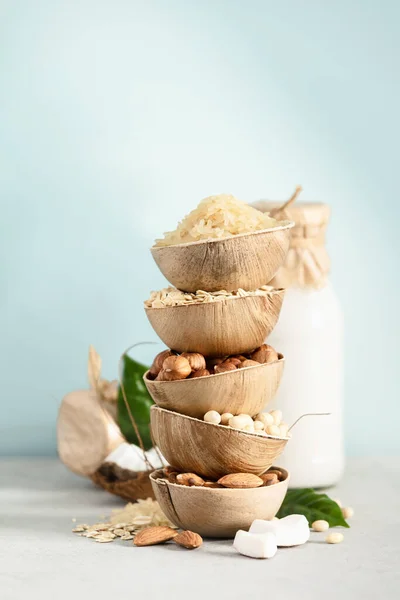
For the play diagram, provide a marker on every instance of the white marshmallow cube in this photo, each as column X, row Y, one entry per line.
column 255, row 545
column 292, row 530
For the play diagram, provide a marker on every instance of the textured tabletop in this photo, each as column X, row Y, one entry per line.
column 41, row 559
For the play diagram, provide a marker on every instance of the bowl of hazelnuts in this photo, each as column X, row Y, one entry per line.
column 192, row 384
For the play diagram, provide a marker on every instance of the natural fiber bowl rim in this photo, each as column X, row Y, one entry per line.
column 221, row 489
column 284, row 225
column 273, row 292
column 240, row 431
column 281, row 358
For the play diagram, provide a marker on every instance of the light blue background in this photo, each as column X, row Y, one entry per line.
column 117, row 117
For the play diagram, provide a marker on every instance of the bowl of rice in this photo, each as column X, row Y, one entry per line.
column 223, row 244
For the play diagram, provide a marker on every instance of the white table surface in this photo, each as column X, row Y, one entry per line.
column 40, row 558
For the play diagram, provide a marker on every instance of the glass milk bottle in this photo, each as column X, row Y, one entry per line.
column 309, row 334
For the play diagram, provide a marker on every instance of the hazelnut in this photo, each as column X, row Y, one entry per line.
column 225, row 366
column 199, row 373
column 264, row 354
column 239, row 357
column 196, row 360
column 212, row 362
column 233, row 360
column 248, row 363
column 158, row 362
column 176, row 367
column 162, row 376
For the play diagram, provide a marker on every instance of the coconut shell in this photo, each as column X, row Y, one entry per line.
column 247, row 260
column 231, row 326
column 86, row 432
column 217, row 512
column 210, row 450
column 246, row 390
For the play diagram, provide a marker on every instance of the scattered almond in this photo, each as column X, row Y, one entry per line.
column 154, row 535
column 241, row 480
column 188, row 539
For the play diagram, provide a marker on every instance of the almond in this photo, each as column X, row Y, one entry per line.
column 154, row 535
column 189, row 479
column 212, row 484
column 277, row 472
column 269, row 478
column 241, row 480
column 188, row 539
column 172, row 477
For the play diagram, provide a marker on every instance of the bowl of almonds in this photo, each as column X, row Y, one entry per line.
column 192, row 384
column 214, row 324
column 212, row 449
column 219, row 508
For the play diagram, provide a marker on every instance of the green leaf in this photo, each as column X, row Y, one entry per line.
column 139, row 401
column 313, row 506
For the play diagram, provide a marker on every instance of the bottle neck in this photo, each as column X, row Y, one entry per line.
column 307, row 264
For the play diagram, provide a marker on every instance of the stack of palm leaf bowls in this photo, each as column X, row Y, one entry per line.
column 236, row 325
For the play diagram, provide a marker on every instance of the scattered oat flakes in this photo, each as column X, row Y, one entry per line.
column 126, row 523
column 173, row 297
column 119, row 532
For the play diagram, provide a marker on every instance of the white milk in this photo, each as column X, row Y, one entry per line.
column 309, row 334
